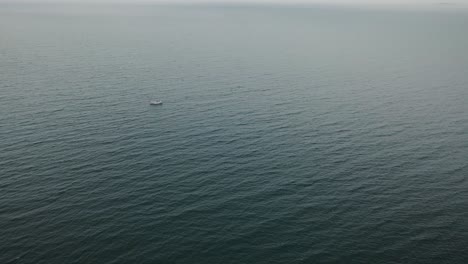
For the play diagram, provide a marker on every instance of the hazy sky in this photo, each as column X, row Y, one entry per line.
column 399, row 2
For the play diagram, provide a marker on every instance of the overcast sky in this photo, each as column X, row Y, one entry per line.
column 399, row 2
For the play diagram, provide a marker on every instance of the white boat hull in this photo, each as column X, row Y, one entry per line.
column 155, row 103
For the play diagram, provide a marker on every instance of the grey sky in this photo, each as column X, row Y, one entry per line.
column 385, row 2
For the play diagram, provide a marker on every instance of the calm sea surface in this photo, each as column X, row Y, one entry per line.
column 287, row 135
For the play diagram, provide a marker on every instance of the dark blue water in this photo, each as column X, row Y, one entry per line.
column 287, row 135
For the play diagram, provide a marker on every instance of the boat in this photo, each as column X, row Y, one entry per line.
column 155, row 102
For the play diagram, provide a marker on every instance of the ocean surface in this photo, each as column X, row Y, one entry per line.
column 287, row 134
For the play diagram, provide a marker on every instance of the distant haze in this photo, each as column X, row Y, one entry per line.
column 373, row 2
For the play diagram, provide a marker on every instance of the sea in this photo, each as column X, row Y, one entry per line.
column 287, row 134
